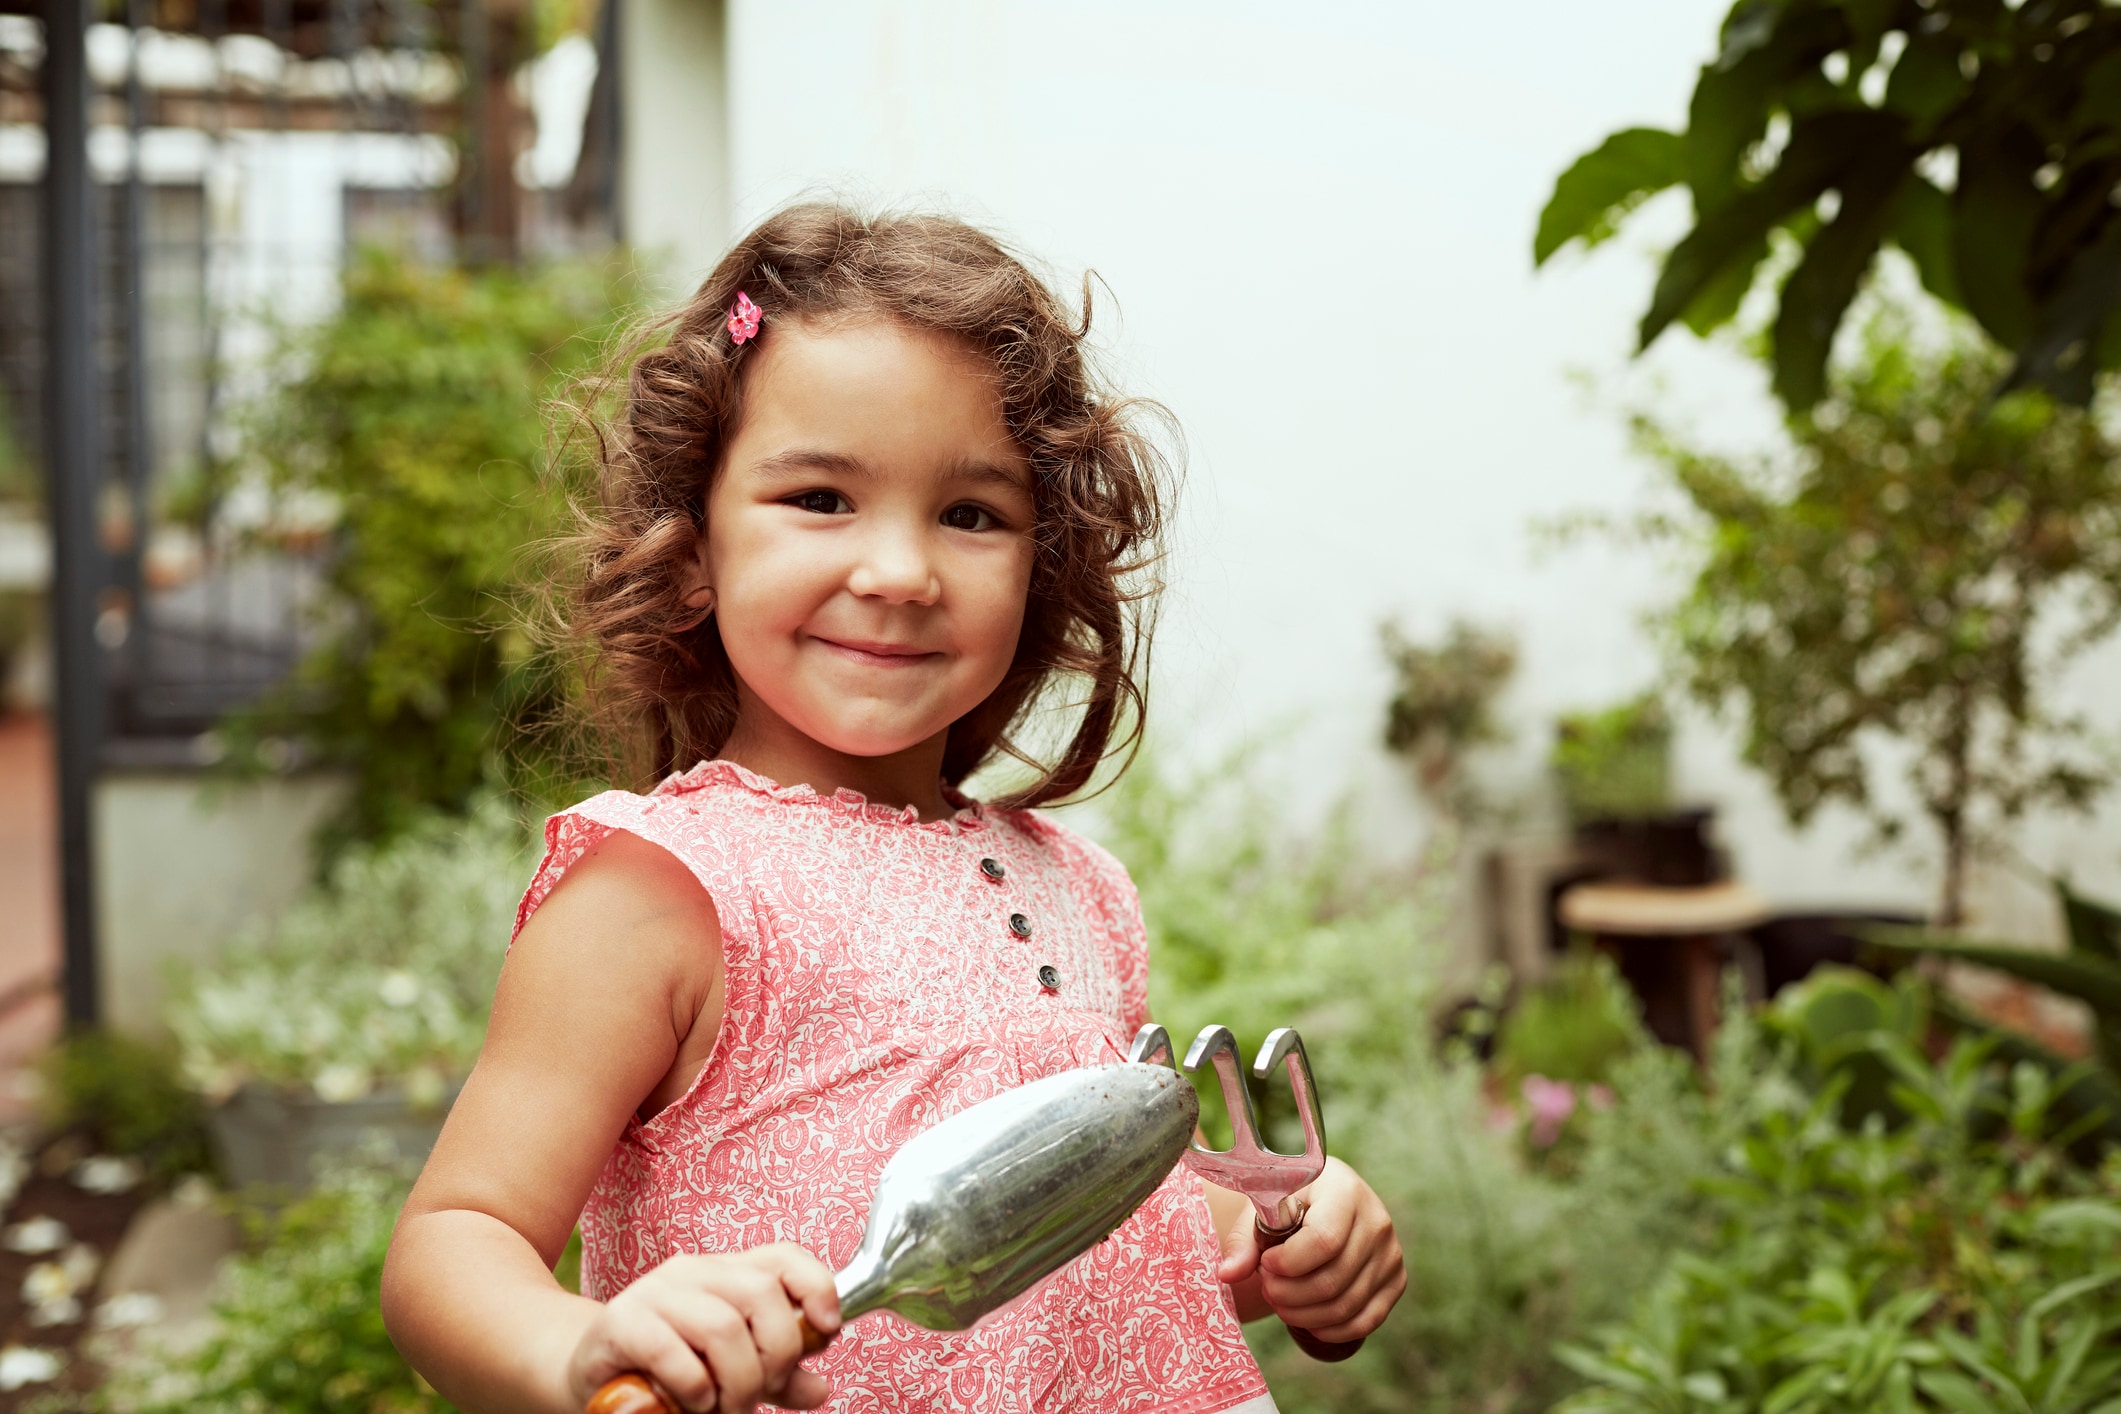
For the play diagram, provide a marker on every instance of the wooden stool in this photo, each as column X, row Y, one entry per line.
column 1694, row 917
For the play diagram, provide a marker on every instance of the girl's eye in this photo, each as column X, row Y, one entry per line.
column 968, row 518
column 824, row 503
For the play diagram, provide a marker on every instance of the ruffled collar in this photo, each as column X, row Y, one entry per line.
column 968, row 814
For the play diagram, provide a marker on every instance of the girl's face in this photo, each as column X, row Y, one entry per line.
column 869, row 535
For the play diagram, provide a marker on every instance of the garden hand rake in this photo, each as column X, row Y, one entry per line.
column 1271, row 1180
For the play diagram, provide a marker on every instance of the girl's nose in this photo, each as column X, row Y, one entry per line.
column 895, row 566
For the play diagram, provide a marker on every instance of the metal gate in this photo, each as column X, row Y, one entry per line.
column 180, row 181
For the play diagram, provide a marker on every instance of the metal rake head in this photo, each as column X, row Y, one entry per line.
column 1248, row 1166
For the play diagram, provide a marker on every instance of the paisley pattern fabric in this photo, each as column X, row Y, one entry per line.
column 881, row 977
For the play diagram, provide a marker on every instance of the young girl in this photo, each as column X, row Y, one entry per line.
column 865, row 510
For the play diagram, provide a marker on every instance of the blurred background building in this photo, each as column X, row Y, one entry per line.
column 238, row 154
column 1310, row 228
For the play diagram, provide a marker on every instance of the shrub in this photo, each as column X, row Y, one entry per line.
column 1575, row 1026
column 414, row 421
column 1865, row 1266
column 128, row 1097
column 1892, row 575
column 1253, row 929
column 1615, row 764
column 299, row 1330
column 383, row 974
column 1443, row 706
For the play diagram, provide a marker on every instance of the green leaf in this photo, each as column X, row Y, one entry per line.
column 1596, row 1367
column 1818, row 291
column 1926, row 82
column 1956, row 1392
column 2070, row 1351
column 1766, row 43
column 2100, row 103
column 1822, row 149
column 2094, row 927
column 2085, row 1220
column 2090, row 979
column 1720, row 299
column 2069, row 1291
column 1795, row 1391
column 1970, row 1355
column 1922, row 226
column 1606, row 183
column 2061, row 354
column 1869, row 19
column 1996, row 209
column 1750, row 26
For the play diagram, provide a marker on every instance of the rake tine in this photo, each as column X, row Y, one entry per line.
column 1152, row 1046
column 1285, row 1048
column 1215, row 1044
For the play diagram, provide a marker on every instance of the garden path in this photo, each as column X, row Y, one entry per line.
column 29, row 903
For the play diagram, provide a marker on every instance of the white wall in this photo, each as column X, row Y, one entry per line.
column 1317, row 221
column 184, row 862
column 674, row 179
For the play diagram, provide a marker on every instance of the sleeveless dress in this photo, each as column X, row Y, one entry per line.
column 883, row 973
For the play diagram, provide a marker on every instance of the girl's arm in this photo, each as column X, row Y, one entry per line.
column 609, row 1003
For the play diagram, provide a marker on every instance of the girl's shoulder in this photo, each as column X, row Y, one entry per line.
column 1064, row 842
column 702, row 828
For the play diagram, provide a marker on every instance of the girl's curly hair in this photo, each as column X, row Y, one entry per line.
column 657, row 679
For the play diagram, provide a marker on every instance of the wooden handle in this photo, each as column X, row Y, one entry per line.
column 637, row 1394
column 1331, row 1351
column 632, row 1394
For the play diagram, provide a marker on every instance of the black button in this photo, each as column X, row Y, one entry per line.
column 1020, row 925
column 1049, row 978
column 992, row 868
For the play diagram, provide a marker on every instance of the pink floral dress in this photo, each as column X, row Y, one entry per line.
column 882, row 974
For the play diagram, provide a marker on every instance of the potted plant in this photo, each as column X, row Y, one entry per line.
column 351, row 1021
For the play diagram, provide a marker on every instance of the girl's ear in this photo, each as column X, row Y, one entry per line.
column 699, row 590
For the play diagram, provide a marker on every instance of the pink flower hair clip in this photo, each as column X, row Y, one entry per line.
column 744, row 317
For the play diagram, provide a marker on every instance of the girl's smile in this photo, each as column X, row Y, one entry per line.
column 879, row 655
column 869, row 547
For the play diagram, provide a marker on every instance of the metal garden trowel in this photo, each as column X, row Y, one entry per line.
column 1248, row 1166
column 978, row 1210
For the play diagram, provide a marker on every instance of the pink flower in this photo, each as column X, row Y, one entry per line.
column 1552, row 1102
column 744, row 319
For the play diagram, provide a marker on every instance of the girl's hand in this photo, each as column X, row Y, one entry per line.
column 1341, row 1274
column 719, row 1333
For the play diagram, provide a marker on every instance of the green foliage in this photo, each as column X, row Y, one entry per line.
column 1851, row 1030
column 1955, row 1261
column 383, row 974
column 21, row 619
column 1979, row 138
column 1615, row 764
column 2089, row 1099
column 414, row 415
column 1605, row 184
column 300, row 1330
column 2087, row 970
column 1254, row 929
column 128, row 1097
column 1444, row 703
column 1578, row 1025
column 1891, row 587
